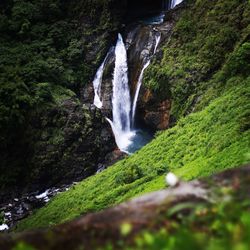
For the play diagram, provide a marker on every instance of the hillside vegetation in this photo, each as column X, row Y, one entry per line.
column 201, row 144
column 202, row 41
column 206, row 69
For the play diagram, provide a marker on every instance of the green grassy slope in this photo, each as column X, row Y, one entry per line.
column 219, row 222
column 199, row 145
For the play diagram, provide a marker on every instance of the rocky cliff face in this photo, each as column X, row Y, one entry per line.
column 72, row 140
column 154, row 106
column 141, row 42
column 69, row 142
column 154, row 112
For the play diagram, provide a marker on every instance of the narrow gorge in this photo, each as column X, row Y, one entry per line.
column 128, row 60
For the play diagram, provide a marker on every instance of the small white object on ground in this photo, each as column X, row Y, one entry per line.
column 171, row 179
column 4, row 227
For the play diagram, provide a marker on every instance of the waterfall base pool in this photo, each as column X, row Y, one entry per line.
column 132, row 140
column 138, row 140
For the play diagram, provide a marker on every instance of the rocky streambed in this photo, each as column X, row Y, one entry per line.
column 19, row 208
column 16, row 209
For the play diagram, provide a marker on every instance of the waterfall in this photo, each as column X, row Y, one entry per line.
column 159, row 19
column 97, row 86
column 121, row 103
column 98, row 81
column 157, row 41
column 121, row 95
column 127, row 138
column 138, row 87
column 173, row 3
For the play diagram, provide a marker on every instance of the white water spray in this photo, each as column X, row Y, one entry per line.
column 121, row 96
column 138, row 87
column 174, row 3
column 98, row 82
column 121, row 103
column 123, row 139
column 157, row 41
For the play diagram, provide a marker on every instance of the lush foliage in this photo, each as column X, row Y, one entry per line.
column 44, row 42
column 47, row 51
column 220, row 226
column 201, row 144
column 201, row 43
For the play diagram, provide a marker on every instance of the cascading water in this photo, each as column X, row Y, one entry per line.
column 128, row 139
column 159, row 18
column 121, row 102
column 121, row 95
column 173, row 3
column 138, row 87
column 157, row 41
column 98, row 81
